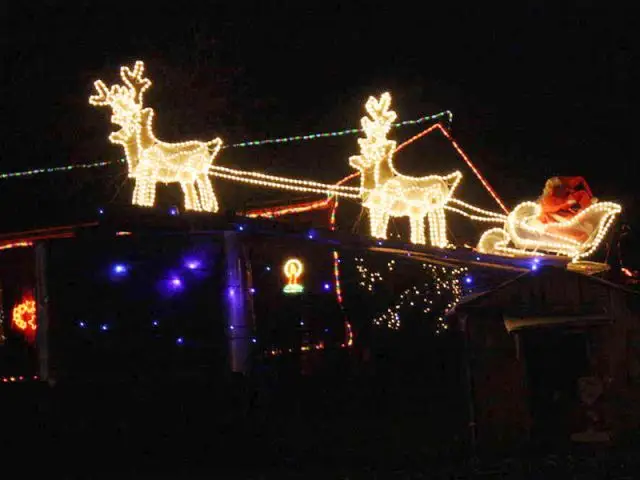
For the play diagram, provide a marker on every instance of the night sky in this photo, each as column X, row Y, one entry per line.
column 535, row 91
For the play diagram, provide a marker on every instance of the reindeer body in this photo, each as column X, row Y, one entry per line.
column 387, row 193
column 150, row 160
column 415, row 197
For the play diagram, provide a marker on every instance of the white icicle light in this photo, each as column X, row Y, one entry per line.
column 149, row 160
column 388, row 193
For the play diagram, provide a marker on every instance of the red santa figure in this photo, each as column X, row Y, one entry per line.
column 562, row 199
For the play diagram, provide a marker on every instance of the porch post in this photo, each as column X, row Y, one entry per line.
column 239, row 304
column 470, row 386
column 42, row 312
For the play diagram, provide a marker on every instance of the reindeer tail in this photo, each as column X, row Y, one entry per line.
column 214, row 145
column 453, row 178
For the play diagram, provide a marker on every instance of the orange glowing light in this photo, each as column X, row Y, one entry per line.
column 24, row 317
column 297, row 208
column 292, row 271
column 8, row 246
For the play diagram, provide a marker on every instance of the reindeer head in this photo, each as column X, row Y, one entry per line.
column 372, row 153
column 125, row 101
column 375, row 147
column 361, row 162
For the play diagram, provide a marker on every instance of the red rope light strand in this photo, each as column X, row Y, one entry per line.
column 416, row 137
column 484, row 182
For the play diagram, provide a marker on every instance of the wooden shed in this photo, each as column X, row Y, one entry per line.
column 553, row 359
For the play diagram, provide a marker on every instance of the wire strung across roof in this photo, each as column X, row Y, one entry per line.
column 251, row 143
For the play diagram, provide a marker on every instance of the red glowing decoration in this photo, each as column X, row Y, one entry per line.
column 23, row 317
column 564, row 197
column 8, row 246
column 298, row 208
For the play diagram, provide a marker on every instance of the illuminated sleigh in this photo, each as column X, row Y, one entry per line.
column 524, row 235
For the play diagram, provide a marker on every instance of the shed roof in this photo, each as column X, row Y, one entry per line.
column 545, row 280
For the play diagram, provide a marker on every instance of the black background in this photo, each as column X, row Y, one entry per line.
column 537, row 90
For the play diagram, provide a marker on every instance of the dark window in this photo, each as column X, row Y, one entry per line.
column 136, row 307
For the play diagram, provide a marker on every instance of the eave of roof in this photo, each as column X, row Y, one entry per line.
column 476, row 300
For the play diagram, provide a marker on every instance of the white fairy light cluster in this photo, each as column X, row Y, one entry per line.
column 368, row 279
column 150, row 160
column 388, row 193
column 444, row 284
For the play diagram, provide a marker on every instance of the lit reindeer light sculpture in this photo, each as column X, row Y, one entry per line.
column 149, row 160
column 387, row 193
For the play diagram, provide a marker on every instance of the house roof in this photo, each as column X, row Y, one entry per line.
column 132, row 219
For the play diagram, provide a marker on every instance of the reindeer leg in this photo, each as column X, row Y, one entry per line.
column 379, row 219
column 384, row 223
column 207, row 196
column 146, row 192
column 374, row 220
column 137, row 192
column 150, row 193
column 438, row 228
column 421, row 229
column 191, row 201
column 143, row 192
column 417, row 229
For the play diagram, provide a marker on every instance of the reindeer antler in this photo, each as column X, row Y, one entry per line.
column 381, row 117
column 134, row 87
column 376, row 127
column 104, row 95
column 135, row 81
